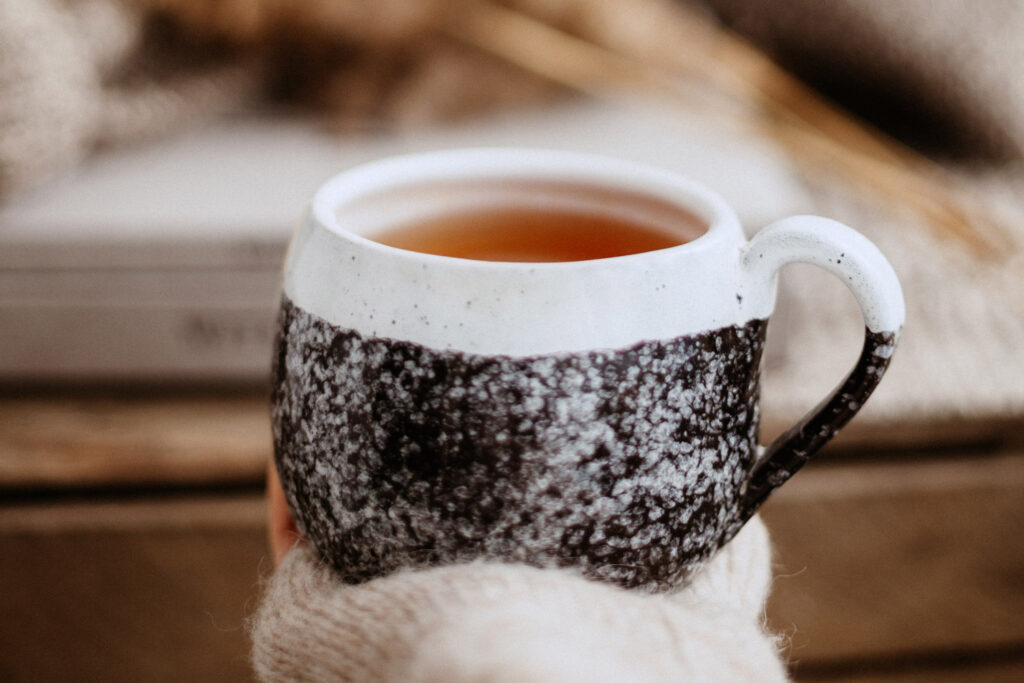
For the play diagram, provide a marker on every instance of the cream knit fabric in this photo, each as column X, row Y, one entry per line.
column 505, row 623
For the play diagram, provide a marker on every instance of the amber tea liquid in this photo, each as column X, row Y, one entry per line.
column 534, row 235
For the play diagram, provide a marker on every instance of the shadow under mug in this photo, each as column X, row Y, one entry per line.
column 598, row 414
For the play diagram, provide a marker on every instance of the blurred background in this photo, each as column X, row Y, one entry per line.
column 155, row 156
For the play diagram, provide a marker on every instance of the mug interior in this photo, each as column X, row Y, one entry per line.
column 373, row 199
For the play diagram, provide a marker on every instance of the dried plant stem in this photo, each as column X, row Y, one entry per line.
column 549, row 52
column 759, row 95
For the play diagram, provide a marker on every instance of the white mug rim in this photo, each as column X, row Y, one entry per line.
column 526, row 164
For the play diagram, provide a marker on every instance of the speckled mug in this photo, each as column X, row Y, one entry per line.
column 597, row 414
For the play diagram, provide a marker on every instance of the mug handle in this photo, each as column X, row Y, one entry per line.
column 865, row 271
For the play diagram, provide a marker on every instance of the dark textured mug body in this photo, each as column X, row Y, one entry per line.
column 600, row 415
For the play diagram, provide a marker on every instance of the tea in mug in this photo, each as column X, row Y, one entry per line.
column 535, row 235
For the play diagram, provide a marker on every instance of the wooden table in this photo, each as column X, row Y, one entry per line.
column 132, row 544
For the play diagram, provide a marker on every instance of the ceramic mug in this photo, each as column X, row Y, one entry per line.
column 598, row 414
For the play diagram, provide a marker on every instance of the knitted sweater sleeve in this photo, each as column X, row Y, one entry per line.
column 500, row 622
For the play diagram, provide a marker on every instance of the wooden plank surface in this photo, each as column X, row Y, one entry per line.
column 902, row 571
column 151, row 591
column 973, row 670
column 897, row 565
column 62, row 442
column 156, row 439
column 907, row 558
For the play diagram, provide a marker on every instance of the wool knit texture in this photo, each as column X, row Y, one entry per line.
column 505, row 623
column 950, row 69
column 76, row 76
